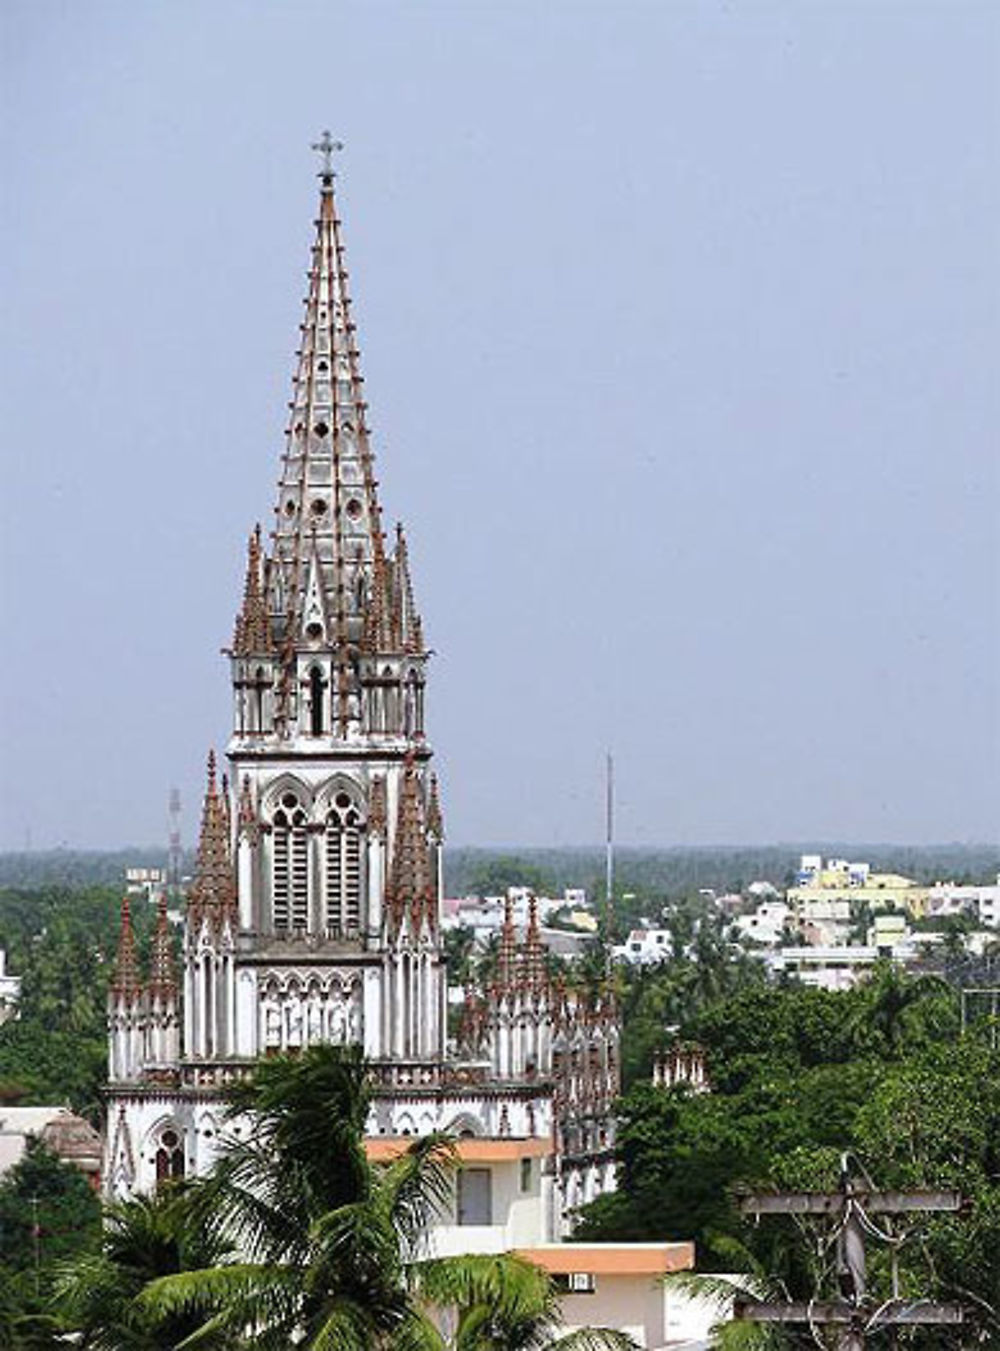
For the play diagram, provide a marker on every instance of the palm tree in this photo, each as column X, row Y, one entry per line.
column 890, row 1000
column 333, row 1251
column 500, row 1303
column 98, row 1295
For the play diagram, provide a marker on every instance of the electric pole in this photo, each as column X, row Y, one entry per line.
column 850, row 1208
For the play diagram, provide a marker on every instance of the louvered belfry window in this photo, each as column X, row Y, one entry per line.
column 290, row 866
column 344, row 855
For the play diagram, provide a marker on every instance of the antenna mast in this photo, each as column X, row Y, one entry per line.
column 174, row 849
column 609, row 863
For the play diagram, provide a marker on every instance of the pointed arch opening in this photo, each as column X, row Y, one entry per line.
column 316, row 684
column 290, row 866
column 169, row 1157
column 345, row 856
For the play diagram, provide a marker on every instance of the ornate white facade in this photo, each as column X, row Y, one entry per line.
column 315, row 911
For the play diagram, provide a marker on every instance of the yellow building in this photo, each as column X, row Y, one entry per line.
column 854, row 882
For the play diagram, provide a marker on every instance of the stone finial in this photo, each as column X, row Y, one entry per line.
column 435, row 821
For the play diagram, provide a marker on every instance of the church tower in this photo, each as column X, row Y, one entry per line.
column 336, row 859
column 315, row 910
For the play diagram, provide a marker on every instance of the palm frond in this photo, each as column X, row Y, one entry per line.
column 594, row 1339
column 225, row 1297
column 417, row 1187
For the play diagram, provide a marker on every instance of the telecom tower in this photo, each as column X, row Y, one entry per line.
column 174, row 849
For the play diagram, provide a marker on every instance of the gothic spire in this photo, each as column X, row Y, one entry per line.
column 410, row 882
column 213, row 892
column 507, row 953
column 252, row 629
column 126, row 979
column 327, row 508
column 162, row 976
column 533, row 955
column 435, row 820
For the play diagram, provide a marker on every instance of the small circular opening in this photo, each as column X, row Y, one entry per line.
column 289, row 508
column 354, row 508
column 321, row 429
column 318, row 507
column 314, row 630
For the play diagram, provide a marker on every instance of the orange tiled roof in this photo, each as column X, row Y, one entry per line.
column 611, row 1259
column 470, row 1148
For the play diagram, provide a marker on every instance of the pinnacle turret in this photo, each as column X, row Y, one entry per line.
column 162, row 975
column 411, row 886
column 253, row 635
column 213, row 893
column 127, row 979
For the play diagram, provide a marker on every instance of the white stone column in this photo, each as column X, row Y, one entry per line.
column 371, row 1012
column 190, row 1004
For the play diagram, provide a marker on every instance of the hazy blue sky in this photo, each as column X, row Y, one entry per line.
column 680, row 324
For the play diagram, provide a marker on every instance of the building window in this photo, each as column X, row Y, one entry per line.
column 169, row 1158
column 344, row 855
column 575, row 1283
column 475, row 1196
column 316, row 701
column 526, row 1171
column 290, row 866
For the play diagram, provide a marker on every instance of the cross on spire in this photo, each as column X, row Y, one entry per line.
column 326, row 146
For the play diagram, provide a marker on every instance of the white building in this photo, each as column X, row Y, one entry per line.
column 767, row 924
column 644, row 946
column 951, row 898
column 10, row 991
column 315, row 912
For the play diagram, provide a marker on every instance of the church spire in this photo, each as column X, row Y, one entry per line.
column 411, row 884
column 533, row 957
column 328, row 526
column 252, row 634
column 126, row 980
column 162, row 976
column 213, row 892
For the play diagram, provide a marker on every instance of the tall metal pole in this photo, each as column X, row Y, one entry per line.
column 174, row 845
column 609, row 866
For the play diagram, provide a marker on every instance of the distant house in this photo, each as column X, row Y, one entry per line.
column 643, row 946
column 67, row 1135
column 10, row 991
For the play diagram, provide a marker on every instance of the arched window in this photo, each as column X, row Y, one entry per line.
column 169, row 1157
column 257, row 701
column 316, row 701
column 290, row 866
column 344, row 874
